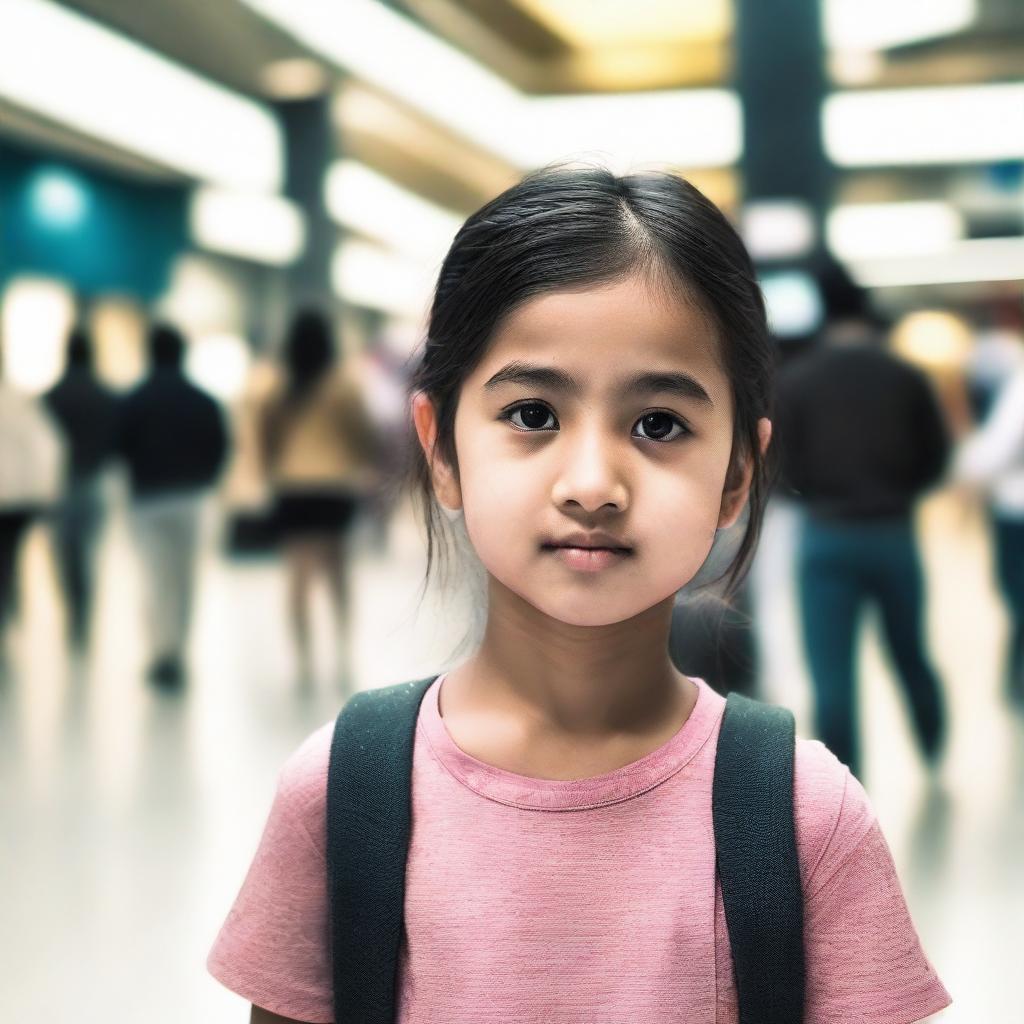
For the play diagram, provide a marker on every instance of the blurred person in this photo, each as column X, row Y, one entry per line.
column 32, row 460
column 320, row 450
column 590, row 410
column 87, row 412
column 385, row 380
column 173, row 438
column 862, row 437
column 996, row 354
column 992, row 458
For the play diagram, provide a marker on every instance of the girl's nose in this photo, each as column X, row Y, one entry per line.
column 590, row 476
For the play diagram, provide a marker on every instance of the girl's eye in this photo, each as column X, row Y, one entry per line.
column 658, row 426
column 532, row 416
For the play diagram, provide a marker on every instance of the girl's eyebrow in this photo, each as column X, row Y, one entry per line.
column 668, row 382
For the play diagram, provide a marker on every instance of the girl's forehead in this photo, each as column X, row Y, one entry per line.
column 609, row 329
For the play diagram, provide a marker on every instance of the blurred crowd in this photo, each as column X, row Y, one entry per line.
column 309, row 440
column 862, row 434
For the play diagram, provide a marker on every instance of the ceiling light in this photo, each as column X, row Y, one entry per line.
column 74, row 71
column 219, row 362
column 58, row 199
column 369, row 275
column 364, row 201
column 267, row 229
column 932, row 338
column 778, row 228
column 296, row 78
column 877, row 24
column 793, row 303
column 594, row 23
column 36, row 315
column 968, row 261
column 865, row 230
column 391, row 52
column 940, row 125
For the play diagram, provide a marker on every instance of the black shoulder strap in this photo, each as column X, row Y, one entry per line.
column 368, row 821
column 755, row 843
column 368, row 818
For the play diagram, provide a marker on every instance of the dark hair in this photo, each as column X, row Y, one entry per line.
column 565, row 228
column 308, row 351
column 80, row 349
column 166, row 345
column 841, row 297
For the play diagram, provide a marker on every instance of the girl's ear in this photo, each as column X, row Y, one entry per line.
column 446, row 487
column 737, row 481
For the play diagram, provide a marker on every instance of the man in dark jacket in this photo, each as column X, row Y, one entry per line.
column 173, row 438
column 861, row 438
column 87, row 413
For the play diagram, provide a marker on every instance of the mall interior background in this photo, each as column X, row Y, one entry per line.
column 219, row 163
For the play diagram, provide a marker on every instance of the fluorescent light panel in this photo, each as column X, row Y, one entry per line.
column 595, row 23
column 36, row 315
column 866, row 230
column 793, row 303
column 220, row 363
column 364, row 201
column 877, row 24
column 778, row 228
column 688, row 128
column 72, row 70
column 973, row 260
column 942, row 125
column 368, row 275
column 267, row 229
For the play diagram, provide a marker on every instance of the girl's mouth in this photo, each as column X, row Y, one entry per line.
column 588, row 559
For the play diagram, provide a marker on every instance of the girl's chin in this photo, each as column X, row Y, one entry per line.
column 594, row 615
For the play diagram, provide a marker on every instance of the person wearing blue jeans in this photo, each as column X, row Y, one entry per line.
column 861, row 439
column 845, row 568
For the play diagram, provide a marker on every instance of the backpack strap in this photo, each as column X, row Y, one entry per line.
column 755, row 844
column 368, row 820
column 368, row 823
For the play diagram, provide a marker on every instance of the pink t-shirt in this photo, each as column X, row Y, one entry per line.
column 592, row 901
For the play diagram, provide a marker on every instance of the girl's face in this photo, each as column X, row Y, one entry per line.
column 600, row 418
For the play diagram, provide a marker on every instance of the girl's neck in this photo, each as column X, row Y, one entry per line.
column 588, row 683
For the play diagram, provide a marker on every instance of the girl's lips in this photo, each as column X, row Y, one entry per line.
column 589, row 559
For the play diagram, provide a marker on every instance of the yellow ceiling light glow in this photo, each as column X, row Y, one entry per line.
column 590, row 23
column 401, row 59
column 665, row 65
column 933, row 338
column 296, row 78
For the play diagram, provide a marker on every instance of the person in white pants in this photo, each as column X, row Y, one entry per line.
column 173, row 438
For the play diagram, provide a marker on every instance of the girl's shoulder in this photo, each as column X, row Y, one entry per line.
column 831, row 810
column 302, row 780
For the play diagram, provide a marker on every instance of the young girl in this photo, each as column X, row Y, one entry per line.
column 594, row 401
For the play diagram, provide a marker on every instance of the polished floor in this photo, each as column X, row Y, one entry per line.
column 128, row 817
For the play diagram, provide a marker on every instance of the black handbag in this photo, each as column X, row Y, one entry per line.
column 368, row 819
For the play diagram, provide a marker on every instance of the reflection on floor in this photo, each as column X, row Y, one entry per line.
column 128, row 816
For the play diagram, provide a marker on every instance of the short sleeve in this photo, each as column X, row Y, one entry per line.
column 273, row 949
column 865, row 964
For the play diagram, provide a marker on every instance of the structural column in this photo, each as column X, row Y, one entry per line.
column 310, row 147
column 781, row 81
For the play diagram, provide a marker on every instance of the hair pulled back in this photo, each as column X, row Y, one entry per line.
column 562, row 228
